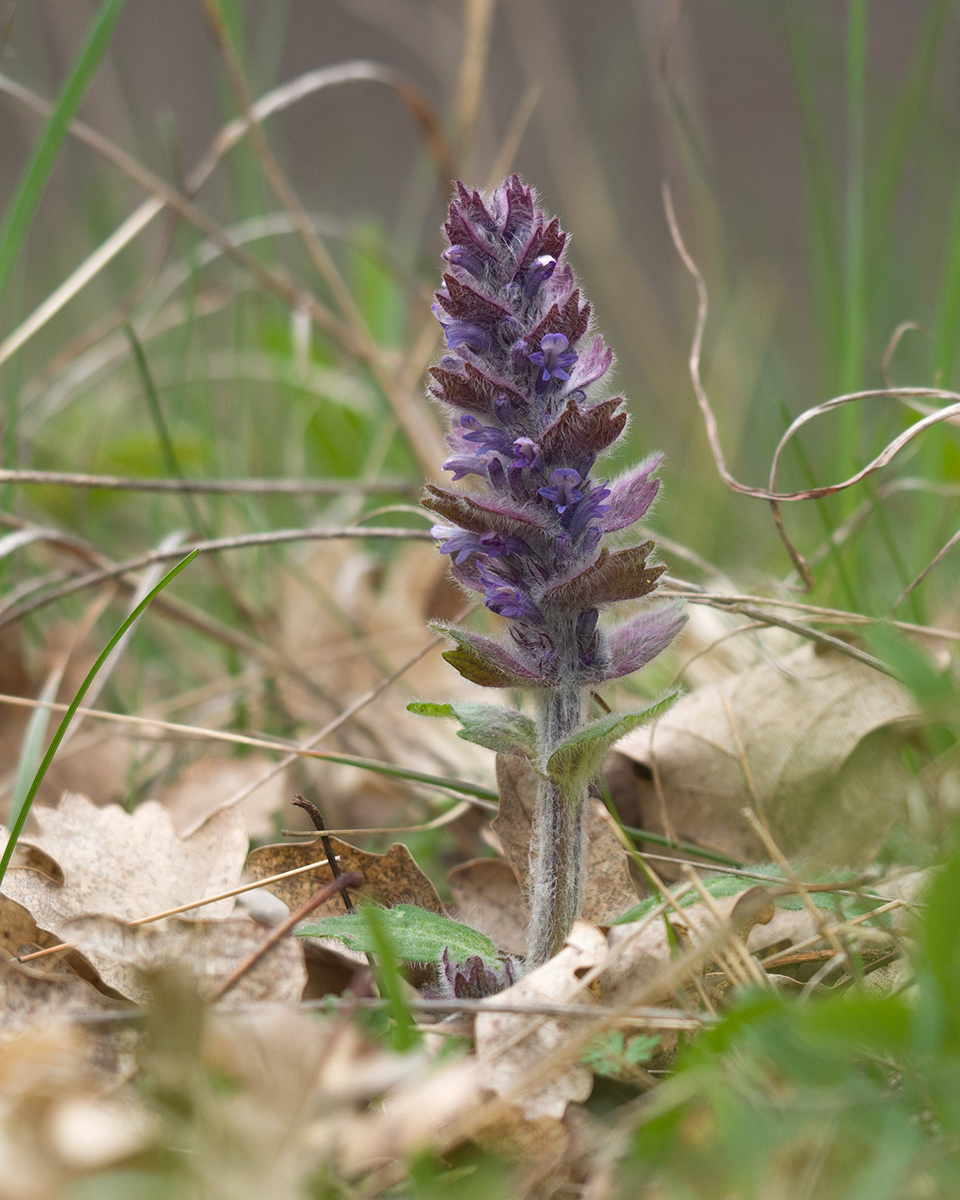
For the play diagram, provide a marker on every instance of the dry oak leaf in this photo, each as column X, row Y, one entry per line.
column 126, row 865
column 488, row 898
column 642, row 953
column 20, row 934
column 26, row 855
column 506, row 1063
column 609, row 891
column 203, row 786
column 388, row 879
column 209, row 950
column 811, row 741
column 29, row 997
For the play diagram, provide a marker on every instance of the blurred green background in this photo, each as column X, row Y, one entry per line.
column 812, row 153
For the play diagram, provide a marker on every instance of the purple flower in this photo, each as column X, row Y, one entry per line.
column 525, row 452
column 564, row 489
column 528, row 537
column 507, row 600
column 589, row 511
column 489, row 437
column 462, row 333
column 540, row 271
column 462, row 544
column 463, row 256
column 464, row 464
column 554, row 357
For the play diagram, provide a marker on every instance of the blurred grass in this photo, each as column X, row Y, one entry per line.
column 174, row 362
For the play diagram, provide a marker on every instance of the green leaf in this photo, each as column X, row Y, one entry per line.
column 38, row 169
column 575, row 761
column 501, row 729
column 415, row 934
column 609, row 1054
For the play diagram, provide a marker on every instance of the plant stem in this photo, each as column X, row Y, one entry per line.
column 559, row 840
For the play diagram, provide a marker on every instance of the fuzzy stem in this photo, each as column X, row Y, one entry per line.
column 559, row 840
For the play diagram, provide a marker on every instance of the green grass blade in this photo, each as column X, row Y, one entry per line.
column 167, row 448
column 851, row 355
column 38, row 169
column 32, row 749
column 820, row 186
column 390, row 982
column 460, row 786
column 16, row 825
column 948, row 311
column 902, row 131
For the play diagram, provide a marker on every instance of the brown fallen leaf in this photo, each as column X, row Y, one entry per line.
column 388, row 879
column 512, row 1135
column 505, row 1061
column 410, row 1118
column 209, row 950
column 811, row 741
column 27, row 855
column 126, row 865
column 29, row 997
column 609, row 890
column 20, row 934
column 203, row 786
column 488, row 897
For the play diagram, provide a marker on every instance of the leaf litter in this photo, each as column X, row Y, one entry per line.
column 91, row 871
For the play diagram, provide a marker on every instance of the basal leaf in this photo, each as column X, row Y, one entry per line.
column 415, row 934
column 577, row 759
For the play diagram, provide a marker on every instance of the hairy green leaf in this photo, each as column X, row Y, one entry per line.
column 577, row 759
column 501, row 729
column 414, row 934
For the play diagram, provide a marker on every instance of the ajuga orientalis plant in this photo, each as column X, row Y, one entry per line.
column 528, row 526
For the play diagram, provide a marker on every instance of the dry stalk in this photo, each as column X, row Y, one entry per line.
column 761, row 830
column 351, row 879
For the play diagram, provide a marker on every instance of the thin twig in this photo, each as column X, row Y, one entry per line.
column 949, row 413
column 213, row 546
column 771, row 959
column 761, row 830
column 351, row 879
column 640, row 1017
column 255, row 487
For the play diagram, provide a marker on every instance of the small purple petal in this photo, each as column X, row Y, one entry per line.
column 463, row 464
column 554, row 357
column 564, row 490
column 462, row 256
column 525, row 451
column 488, row 437
column 540, row 271
column 589, row 511
column 462, row 333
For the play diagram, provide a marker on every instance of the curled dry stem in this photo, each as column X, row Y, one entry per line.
column 910, row 396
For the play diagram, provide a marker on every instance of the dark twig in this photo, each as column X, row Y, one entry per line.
column 351, row 879
column 317, row 817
